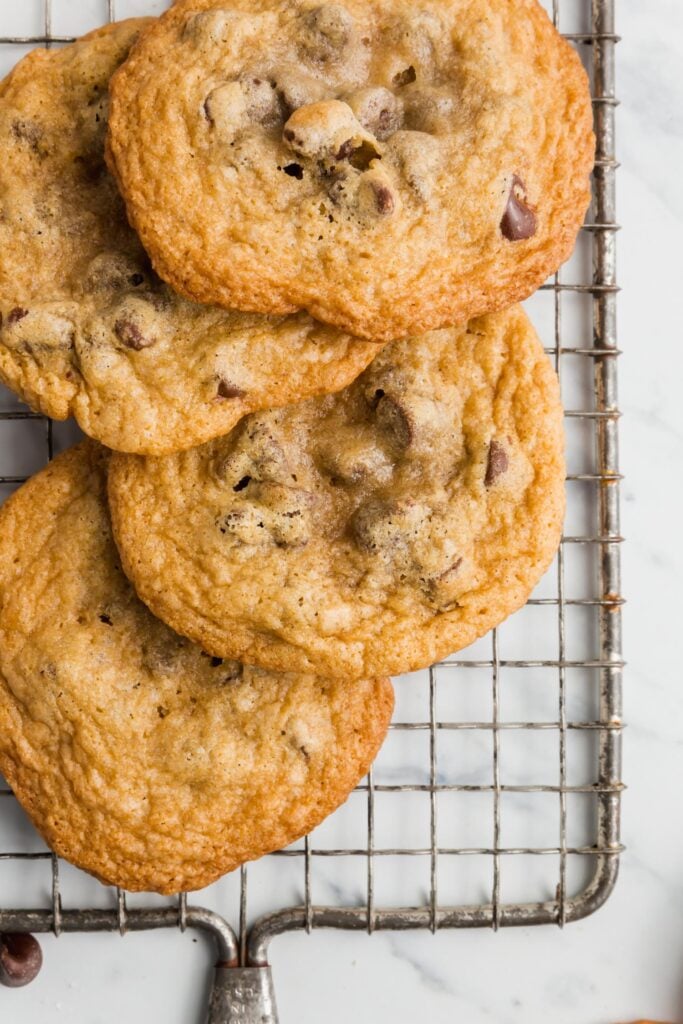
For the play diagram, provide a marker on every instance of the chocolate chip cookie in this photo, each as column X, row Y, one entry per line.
column 391, row 167
column 86, row 326
column 139, row 757
column 370, row 532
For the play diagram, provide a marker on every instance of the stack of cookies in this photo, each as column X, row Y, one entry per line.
column 265, row 252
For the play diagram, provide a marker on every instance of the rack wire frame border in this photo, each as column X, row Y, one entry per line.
column 251, row 946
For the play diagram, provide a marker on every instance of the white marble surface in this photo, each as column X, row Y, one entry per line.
column 625, row 962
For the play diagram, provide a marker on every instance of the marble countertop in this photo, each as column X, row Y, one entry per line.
column 625, row 962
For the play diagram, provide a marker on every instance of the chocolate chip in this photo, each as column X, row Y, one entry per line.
column 136, row 280
column 16, row 315
column 20, row 959
column 395, row 418
column 241, row 484
column 130, row 334
column 497, row 463
column 228, row 390
column 519, row 220
column 384, row 200
column 294, row 171
column 215, row 662
column 289, row 134
column 405, row 77
column 345, row 150
column 106, row 619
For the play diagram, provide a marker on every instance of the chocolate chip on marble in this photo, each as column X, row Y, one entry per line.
column 519, row 220
column 228, row 390
column 20, row 959
column 405, row 77
column 15, row 315
column 496, row 464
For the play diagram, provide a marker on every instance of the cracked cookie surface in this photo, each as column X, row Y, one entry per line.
column 369, row 532
column 86, row 326
column 139, row 757
column 390, row 167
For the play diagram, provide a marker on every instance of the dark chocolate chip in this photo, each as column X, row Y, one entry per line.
column 384, row 199
column 20, row 959
column 106, row 619
column 241, row 484
column 215, row 662
column 345, row 150
column 136, row 280
column 228, row 390
column 294, row 171
column 131, row 335
column 16, row 315
column 405, row 77
column 497, row 463
column 519, row 220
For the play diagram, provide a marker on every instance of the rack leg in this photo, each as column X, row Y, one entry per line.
column 242, row 995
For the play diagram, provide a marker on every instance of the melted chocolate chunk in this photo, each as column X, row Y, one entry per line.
column 228, row 390
column 16, row 315
column 405, row 77
column 497, row 463
column 384, row 200
column 519, row 220
column 20, row 959
column 131, row 335
column 345, row 150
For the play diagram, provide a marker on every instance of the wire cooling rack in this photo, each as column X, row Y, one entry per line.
column 495, row 800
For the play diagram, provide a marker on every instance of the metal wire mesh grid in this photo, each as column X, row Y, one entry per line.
column 492, row 752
